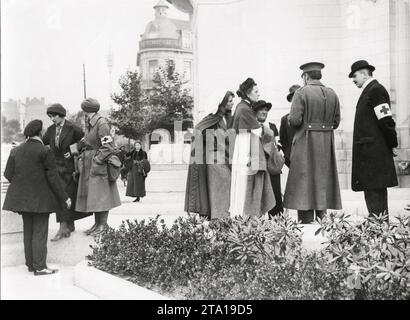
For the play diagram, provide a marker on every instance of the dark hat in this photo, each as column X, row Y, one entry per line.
column 33, row 128
column 312, row 66
column 244, row 87
column 90, row 105
column 292, row 91
column 57, row 108
column 260, row 104
column 359, row 65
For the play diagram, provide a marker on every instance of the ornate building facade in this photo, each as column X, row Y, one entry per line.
column 165, row 39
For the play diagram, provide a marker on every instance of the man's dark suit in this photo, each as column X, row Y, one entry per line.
column 374, row 137
column 69, row 135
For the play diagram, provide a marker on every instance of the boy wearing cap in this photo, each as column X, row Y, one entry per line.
column 313, row 183
column 374, row 139
column 59, row 136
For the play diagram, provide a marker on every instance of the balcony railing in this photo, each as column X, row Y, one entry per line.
column 160, row 43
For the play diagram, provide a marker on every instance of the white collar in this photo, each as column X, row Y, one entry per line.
column 367, row 82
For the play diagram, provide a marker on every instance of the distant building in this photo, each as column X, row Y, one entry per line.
column 165, row 39
column 26, row 111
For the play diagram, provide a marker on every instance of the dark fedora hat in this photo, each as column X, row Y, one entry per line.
column 260, row 104
column 292, row 91
column 359, row 65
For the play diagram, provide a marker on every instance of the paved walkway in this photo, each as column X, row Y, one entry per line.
column 17, row 283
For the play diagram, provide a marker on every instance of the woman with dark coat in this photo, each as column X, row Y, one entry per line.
column 35, row 191
column 139, row 168
column 209, row 174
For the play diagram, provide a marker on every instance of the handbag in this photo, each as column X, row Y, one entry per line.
column 114, row 167
column 275, row 162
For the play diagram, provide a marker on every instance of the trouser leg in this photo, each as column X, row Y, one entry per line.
column 27, row 238
column 376, row 201
column 320, row 214
column 305, row 216
column 275, row 180
column 39, row 243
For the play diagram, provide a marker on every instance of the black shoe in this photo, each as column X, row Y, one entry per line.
column 45, row 272
column 137, row 200
column 71, row 226
column 31, row 269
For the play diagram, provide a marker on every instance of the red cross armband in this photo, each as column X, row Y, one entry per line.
column 382, row 110
column 106, row 140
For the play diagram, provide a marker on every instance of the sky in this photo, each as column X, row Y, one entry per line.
column 46, row 42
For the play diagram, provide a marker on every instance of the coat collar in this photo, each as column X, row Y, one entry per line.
column 35, row 139
column 370, row 85
column 94, row 119
column 315, row 83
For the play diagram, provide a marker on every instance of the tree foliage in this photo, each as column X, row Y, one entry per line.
column 171, row 97
column 134, row 118
column 10, row 130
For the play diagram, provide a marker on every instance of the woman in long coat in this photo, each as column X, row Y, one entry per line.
column 96, row 193
column 251, row 188
column 139, row 168
column 35, row 191
column 209, row 178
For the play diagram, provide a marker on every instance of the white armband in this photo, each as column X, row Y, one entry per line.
column 106, row 140
column 382, row 111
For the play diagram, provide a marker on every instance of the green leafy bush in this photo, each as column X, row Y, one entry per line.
column 259, row 258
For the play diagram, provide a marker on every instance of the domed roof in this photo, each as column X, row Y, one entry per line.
column 161, row 27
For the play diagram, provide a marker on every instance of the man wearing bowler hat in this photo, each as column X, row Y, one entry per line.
column 374, row 138
column 313, row 183
column 286, row 132
column 60, row 136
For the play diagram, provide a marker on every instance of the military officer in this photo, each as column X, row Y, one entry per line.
column 374, row 138
column 313, row 183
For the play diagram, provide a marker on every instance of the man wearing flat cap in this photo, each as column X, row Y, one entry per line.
column 96, row 193
column 60, row 136
column 313, row 183
column 374, row 139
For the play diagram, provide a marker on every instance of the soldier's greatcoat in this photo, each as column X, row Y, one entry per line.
column 313, row 179
column 374, row 137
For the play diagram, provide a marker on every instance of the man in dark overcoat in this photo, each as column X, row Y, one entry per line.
column 313, row 183
column 286, row 132
column 60, row 136
column 374, row 140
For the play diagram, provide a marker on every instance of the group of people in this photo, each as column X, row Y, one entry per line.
column 239, row 172
column 64, row 170
column 69, row 171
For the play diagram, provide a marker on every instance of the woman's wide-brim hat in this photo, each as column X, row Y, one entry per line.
column 292, row 91
column 359, row 65
column 260, row 104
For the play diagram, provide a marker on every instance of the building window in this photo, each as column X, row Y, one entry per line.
column 152, row 69
column 186, row 40
column 187, row 70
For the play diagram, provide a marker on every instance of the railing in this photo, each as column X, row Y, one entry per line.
column 160, row 43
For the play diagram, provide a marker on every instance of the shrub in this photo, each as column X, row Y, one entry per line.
column 260, row 259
